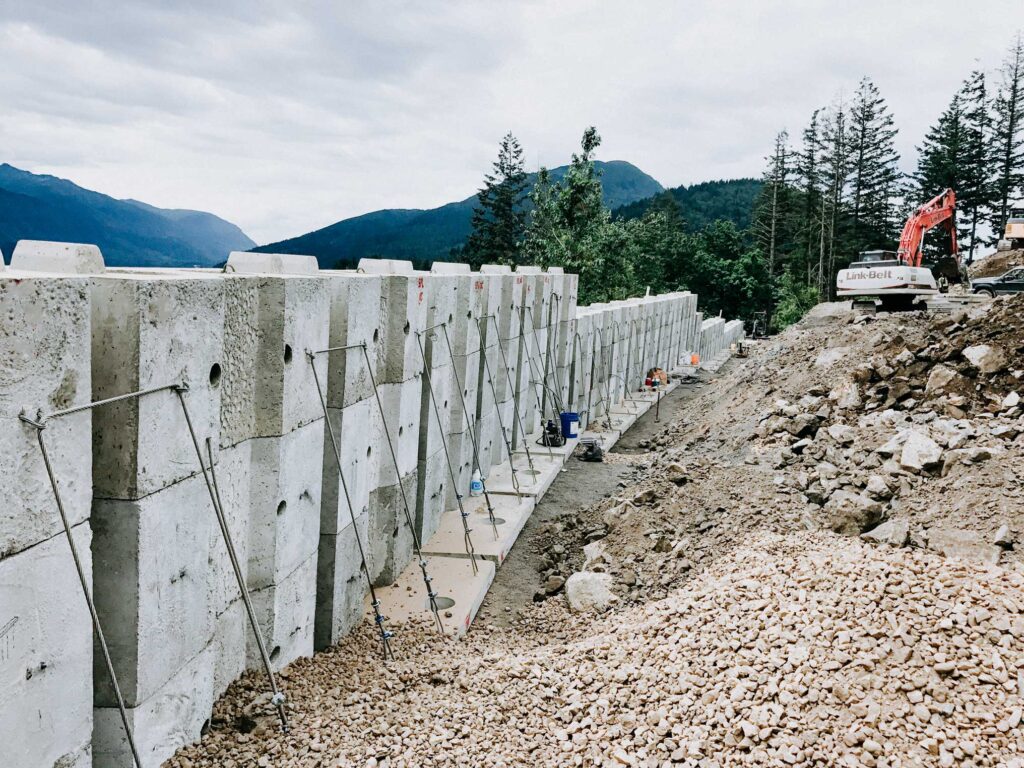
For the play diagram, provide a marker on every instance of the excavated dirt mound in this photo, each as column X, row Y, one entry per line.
column 815, row 563
column 997, row 263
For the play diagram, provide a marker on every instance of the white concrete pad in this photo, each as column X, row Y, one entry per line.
column 533, row 482
column 460, row 593
column 510, row 514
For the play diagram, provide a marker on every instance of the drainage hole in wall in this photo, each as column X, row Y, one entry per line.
column 406, row 328
column 400, row 431
column 275, row 653
column 215, row 375
column 445, row 403
column 376, row 334
column 282, row 507
column 443, row 603
column 287, row 353
column 451, row 318
column 369, row 450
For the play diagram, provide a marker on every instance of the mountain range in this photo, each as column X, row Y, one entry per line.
column 128, row 232
column 132, row 233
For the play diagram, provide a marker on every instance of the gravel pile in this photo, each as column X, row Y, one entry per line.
column 816, row 563
column 800, row 650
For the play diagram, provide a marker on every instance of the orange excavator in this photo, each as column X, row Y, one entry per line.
column 898, row 278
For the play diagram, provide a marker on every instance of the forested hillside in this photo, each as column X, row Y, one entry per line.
column 701, row 204
column 423, row 236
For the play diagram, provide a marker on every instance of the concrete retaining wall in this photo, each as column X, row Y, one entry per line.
column 504, row 350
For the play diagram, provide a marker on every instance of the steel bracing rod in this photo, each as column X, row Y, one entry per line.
column 84, row 581
column 466, row 538
column 431, row 594
column 608, row 360
column 378, row 618
column 497, row 409
column 539, row 393
column 547, row 351
column 532, row 373
column 577, row 343
column 98, row 403
column 472, row 432
column 512, row 387
column 341, row 348
column 533, row 370
column 276, row 697
column 593, row 368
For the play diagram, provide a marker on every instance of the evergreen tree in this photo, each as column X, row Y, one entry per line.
column 1008, row 136
column 874, row 172
column 499, row 220
column 835, row 165
column 808, row 181
column 771, row 211
column 955, row 155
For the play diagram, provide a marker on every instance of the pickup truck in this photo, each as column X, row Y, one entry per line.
column 1009, row 282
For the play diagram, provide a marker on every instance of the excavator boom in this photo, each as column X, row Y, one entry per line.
column 940, row 210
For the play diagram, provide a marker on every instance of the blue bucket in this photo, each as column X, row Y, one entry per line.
column 570, row 424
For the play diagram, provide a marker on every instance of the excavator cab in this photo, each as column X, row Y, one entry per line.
column 1013, row 237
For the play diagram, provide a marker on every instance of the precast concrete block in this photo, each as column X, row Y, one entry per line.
column 250, row 262
column 167, row 720
column 239, row 373
column 234, row 481
column 389, row 535
column 285, row 612
column 460, row 447
column 285, row 509
column 357, row 317
column 437, row 401
column 340, row 582
column 57, row 258
column 359, row 457
column 294, row 316
column 231, row 630
column 405, row 309
column 45, row 353
column 46, row 655
column 151, row 330
column 151, row 583
column 433, row 481
column 402, row 406
column 465, row 372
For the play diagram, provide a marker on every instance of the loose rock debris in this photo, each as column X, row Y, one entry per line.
column 816, row 564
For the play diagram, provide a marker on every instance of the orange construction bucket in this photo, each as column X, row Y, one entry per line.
column 694, row 359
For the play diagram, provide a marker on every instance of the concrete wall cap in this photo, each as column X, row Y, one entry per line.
column 450, row 268
column 58, row 258
column 250, row 263
column 385, row 267
column 495, row 269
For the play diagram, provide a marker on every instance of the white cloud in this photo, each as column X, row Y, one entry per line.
column 284, row 121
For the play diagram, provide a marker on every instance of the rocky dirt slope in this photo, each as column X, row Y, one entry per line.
column 816, row 565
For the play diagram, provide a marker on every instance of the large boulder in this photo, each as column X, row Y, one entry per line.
column 851, row 513
column 985, row 358
column 920, row 453
column 589, row 592
column 892, row 532
column 966, row 545
column 940, row 379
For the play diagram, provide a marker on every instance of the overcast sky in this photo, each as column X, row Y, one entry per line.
column 284, row 121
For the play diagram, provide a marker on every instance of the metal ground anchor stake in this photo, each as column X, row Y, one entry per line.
column 378, row 618
column 277, row 698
